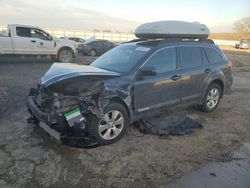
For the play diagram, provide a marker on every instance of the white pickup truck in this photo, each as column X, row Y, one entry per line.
column 29, row 40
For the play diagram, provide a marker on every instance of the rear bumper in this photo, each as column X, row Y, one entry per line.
column 228, row 84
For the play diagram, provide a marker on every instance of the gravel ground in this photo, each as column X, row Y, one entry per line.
column 29, row 158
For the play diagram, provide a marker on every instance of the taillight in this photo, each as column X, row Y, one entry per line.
column 230, row 65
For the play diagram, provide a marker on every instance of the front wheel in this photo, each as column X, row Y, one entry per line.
column 112, row 126
column 212, row 98
column 65, row 56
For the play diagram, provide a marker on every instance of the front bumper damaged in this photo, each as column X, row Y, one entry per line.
column 76, row 136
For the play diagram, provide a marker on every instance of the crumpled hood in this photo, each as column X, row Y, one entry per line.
column 63, row 71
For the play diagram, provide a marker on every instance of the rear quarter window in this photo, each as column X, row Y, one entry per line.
column 190, row 56
column 214, row 55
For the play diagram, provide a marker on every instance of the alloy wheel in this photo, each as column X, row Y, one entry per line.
column 111, row 125
column 213, row 98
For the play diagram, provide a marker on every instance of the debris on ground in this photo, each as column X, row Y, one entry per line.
column 212, row 174
column 180, row 125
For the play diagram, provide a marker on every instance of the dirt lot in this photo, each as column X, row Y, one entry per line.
column 30, row 158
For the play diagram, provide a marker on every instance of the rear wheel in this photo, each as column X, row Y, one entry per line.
column 65, row 55
column 112, row 126
column 212, row 98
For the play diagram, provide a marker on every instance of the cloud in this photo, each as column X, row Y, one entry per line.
column 119, row 15
column 63, row 14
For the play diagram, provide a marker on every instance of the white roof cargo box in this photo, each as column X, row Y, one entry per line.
column 172, row 29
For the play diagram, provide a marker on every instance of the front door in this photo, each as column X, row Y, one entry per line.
column 41, row 42
column 162, row 89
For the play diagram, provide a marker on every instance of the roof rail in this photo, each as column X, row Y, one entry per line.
column 200, row 40
column 135, row 40
column 210, row 41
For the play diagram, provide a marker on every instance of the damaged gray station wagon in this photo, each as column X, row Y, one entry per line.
column 95, row 104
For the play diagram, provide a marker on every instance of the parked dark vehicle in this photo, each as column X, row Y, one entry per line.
column 132, row 81
column 95, row 47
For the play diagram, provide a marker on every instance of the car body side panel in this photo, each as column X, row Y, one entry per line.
column 153, row 92
column 193, row 80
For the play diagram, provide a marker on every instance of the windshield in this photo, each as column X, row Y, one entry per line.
column 121, row 59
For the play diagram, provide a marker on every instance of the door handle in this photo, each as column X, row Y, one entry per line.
column 207, row 70
column 175, row 77
column 41, row 43
column 33, row 41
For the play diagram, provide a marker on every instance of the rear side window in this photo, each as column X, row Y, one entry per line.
column 163, row 60
column 23, row 32
column 191, row 56
column 107, row 44
column 214, row 55
column 74, row 39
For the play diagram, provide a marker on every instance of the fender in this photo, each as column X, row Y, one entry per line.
column 114, row 93
column 214, row 75
column 69, row 47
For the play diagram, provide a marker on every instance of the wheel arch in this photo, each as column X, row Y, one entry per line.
column 65, row 47
column 218, row 81
column 119, row 100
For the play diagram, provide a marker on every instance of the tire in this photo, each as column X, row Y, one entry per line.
column 92, row 53
column 108, row 133
column 211, row 98
column 65, row 55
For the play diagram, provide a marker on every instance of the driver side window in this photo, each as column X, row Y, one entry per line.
column 163, row 61
column 37, row 33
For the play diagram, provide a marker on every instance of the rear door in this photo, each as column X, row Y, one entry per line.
column 98, row 47
column 22, row 40
column 152, row 92
column 194, row 69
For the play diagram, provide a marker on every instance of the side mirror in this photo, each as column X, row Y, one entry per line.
column 148, row 71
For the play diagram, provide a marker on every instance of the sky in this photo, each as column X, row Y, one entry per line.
column 121, row 15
